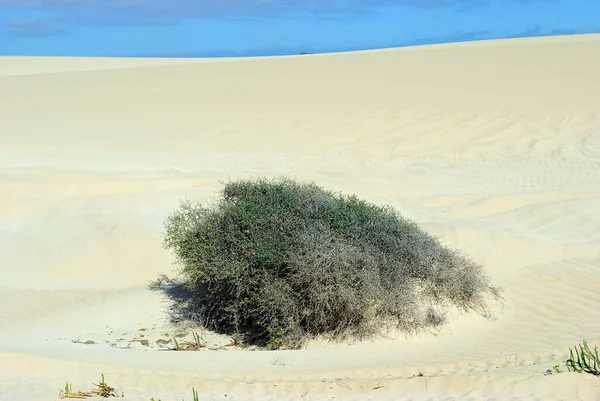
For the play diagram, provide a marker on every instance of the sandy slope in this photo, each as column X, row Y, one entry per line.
column 493, row 146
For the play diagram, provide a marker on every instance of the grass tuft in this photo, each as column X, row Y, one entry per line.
column 102, row 390
column 584, row 360
column 198, row 343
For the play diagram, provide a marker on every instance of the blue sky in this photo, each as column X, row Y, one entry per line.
column 208, row 28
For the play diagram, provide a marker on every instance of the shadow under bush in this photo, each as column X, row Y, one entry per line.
column 280, row 262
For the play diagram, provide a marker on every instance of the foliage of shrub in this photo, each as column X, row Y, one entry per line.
column 280, row 262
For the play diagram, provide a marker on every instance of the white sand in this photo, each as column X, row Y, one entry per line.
column 493, row 146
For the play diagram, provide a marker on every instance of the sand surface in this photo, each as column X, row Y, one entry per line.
column 492, row 146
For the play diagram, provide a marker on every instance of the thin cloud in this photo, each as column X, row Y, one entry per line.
column 31, row 27
column 135, row 11
column 452, row 37
column 540, row 31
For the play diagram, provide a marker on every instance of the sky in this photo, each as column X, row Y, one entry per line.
column 237, row 28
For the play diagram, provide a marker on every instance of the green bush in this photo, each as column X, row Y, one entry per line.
column 279, row 262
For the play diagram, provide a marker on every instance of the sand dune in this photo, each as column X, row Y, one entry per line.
column 493, row 146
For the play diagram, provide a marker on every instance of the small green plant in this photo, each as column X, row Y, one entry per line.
column 236, row 338
column 557, row 369
column 199, row 340
column 584, row 360
column 67, row 392
column 102, row 390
